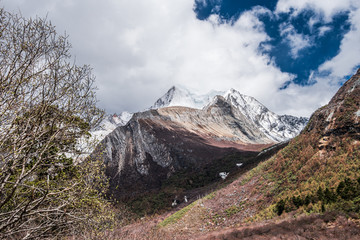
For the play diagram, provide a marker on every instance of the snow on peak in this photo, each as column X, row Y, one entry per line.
column 249, row 106
column 180, row 96
column 276, row 127
column 122, row 118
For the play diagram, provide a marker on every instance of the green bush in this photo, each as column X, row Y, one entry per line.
column 345, row 198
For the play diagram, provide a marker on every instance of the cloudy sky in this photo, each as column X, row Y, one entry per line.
column 292, row 55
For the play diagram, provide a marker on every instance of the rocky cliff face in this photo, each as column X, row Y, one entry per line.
column 156, row 143
column 276, row 127
column 341, row 117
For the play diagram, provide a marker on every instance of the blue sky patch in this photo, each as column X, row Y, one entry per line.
column 298, row 44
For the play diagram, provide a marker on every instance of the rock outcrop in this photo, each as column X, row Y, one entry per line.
column 340, row 118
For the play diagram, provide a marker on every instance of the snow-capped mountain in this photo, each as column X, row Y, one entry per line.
column 180, row 96
column 186, row 130
column 175, row 96
column 276, row 127
column 157, row 143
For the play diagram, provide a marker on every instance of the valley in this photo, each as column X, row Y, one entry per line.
column 289, row 184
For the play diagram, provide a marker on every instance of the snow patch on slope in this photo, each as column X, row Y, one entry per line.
column 110, row 122
column 358, row 113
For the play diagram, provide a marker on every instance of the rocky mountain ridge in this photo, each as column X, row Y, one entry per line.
column 276, row 127
column 156, row 143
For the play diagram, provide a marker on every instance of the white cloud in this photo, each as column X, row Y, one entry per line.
column 296, row 41
column 139, row 49
column 312, row 21
column 344, row 63
column 323, row 30
column 325, row 8
column 303, row 100
column 348, row 58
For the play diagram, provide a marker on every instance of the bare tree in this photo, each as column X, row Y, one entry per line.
column 46, row 104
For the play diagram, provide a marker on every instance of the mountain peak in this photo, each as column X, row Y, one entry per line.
column 233, row 90
column 181, row 96
column 277, row 128
column 178, row 88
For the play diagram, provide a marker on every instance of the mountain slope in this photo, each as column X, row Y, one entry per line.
column 156, row 143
